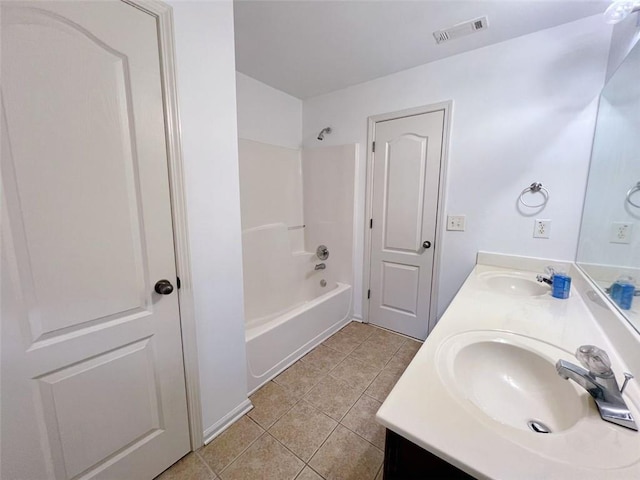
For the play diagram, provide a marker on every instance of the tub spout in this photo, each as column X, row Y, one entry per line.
column 320, row 266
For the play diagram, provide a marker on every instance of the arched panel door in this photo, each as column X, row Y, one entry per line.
column 92, row 371
column 406, row 176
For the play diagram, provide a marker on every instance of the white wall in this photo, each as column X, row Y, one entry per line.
column 624, row 37
column 268, row 115
column 523, row 111
column 206, row 89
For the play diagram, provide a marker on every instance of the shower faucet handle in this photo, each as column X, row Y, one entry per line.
column 322, row 252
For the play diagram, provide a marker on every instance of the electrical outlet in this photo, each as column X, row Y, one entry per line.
column 620, row 232
column 455, row 222
column 541, row 228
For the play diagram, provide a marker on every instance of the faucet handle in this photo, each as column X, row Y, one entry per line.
column 549, row 270
column 595, row 360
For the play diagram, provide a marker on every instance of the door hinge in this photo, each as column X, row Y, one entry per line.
column 368, row 293
column 178, row 282
column 371, row 223
column 373, row 147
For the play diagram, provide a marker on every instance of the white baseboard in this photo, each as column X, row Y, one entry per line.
column 225, row 422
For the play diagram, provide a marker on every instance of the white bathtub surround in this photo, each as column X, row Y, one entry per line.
column 290, row 306
column 328, row 178
column 279, row 241
column 274, row 276
column 271, row 189
column 433, row 403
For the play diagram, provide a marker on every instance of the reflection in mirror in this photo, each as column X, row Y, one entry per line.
column 609, row 247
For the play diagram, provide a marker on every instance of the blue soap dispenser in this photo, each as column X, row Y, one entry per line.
column 623, row 291
column 560, row 285
column 559, row 281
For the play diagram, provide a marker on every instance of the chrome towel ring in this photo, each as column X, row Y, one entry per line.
column 537, row 187
column 632, row 190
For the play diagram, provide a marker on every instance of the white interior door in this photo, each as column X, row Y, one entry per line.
column 406, row 173
column 92, row 372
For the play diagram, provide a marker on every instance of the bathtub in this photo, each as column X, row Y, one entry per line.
column 277, row 340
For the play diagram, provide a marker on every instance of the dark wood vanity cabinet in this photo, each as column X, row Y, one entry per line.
column 404, row 460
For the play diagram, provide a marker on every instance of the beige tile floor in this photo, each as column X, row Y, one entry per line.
column 316, row 420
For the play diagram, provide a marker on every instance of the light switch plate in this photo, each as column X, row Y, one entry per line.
column 455, row 223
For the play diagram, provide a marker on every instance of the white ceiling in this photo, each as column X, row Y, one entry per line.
column 308, row 48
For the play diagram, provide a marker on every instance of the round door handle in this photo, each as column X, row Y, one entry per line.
column 426, row 244
column 163, row 287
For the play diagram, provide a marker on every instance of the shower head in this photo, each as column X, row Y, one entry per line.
column 323, row 131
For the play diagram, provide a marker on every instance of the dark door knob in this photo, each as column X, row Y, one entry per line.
column 163, row 287
column 426, row 244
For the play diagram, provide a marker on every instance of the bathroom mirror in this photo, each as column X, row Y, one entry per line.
column 609, row 245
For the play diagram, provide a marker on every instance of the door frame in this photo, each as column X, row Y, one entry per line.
column 447, row 106
column 163, row 14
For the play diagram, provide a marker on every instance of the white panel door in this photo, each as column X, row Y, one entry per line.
column 92, row 372
column 406, row 173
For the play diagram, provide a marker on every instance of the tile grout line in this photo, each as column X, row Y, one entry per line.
column 350, row 406
column 322, row 445
column 365, row 388
column 326, row 439
column 299, row 400
column 373, row 398
column 296, row 401
column 314, row 452
column 332, row 430
column 207, row 466
column 360, row 436
column 336, row 365
column 315, row 471
column 365, row 394
column 291, row 452
column 351, row 430
column 377, row 374
column 241, row 453
column 247, row 447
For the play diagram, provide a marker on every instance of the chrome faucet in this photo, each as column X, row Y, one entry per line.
column 320, row 266
column 601, row 384
column 547, row 279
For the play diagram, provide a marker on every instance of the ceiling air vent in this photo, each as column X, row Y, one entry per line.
column 461, row 29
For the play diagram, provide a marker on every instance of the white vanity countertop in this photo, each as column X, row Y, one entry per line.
column 427, row 409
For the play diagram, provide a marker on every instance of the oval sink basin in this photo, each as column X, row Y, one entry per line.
column 510, row 382
column 514, row 284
